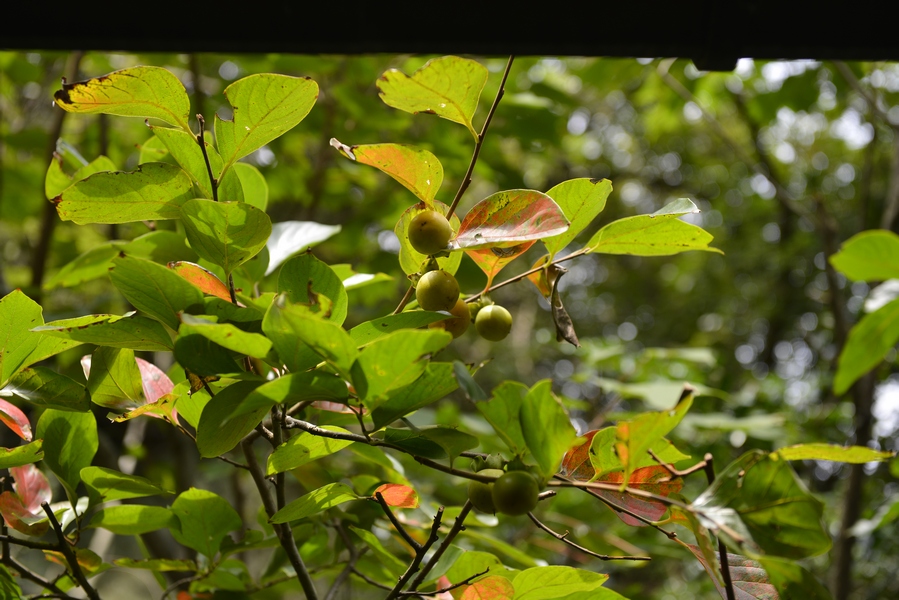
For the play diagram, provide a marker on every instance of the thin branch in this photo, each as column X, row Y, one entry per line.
column 277, row 440
column 466, row 181
column 521, row 276
column 282, row 530
column 676, row 474
column 563, row 537
column 419, row 556
column 458, row 526
column 66, row 550
column 201, row 140
column 399, row 526
column 370, row 581
column 34, row 545
column 465, row 581
column 722, row 549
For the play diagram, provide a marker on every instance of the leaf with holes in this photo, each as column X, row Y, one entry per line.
column 148, row 92
column 509, row 218
column 418, row 170
column 448, row 87
column 265, row 106
column 225, row 233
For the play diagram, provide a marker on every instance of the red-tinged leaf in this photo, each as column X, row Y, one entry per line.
column 15, row 419
column 509, row 218
column 163, row 408
column 417, row 169
column 576, row 464
column 492, row 260
column 647, row 479
column 204, row 279
column 31, row 486
column 398, row 496
column 493, row 587
column 749, row 578
column 155, row 382
column 20, row 518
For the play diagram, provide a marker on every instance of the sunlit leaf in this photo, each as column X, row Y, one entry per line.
column 44, row 387
column 435, row 383
column 205, row 519
column 581, row 200
column 57, row 181
column 252, row 183
column 226, row 335
column 492, row 260
column 397, row 360
column 304, row 276
column 217, row 433
column 185, row 149
column 290, row 237
column 869, row 256
column 492, row 587
column 204, row 279
column 70, row 443
column 541, row 583
column 448, row 87
column 21, row 455
column 13, row 417
column 509, row 218
column 546, row 427
column 502, row 412
column 225, row 233
column 397, row 495
column 126, row 331
column 314, row 502
column 153, row 289
column 113, row 378
column 133, row 519
column 868, row 342
column 431, row 442
column 417, row 169
column 304, row 448
column 107, row 484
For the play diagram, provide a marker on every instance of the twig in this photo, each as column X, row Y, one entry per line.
column 25, row 573
column 466, row 181
column 521, row 276
column 676, row 474
column 282, row 530
column 201, row 140
column 722, row 549
column 277, row 440
column 458, row 526
column 465, row 581
column 563, row 537
column 399, row 526
column 419, row 556
column 406, row 299
column 70, row 556
column 34, row 545
column 369, row 580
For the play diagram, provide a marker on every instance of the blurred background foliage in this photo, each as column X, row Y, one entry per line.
column 785, row 159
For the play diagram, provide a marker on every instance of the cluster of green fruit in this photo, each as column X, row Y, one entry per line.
column 513, row 492
column 429, row 234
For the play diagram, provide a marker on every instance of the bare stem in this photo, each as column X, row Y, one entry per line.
column 66, row 550
column 458, row 526
column 26, row 574
column 521, row 276
column 563, row 537
column 399, row 526
column 419, row 556
column 465, row 581
column 466, row 181
column 406, row 299
column 722, row 549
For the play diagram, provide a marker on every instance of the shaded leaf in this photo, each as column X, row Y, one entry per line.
column 304, row 276
column 152, row 192
column 435, row 383
column 397, row 495
column 868, row 342
column 417, row 169
column 576, row 463
column 217, row 433
column 157, row 564
column 57, row 181
column 793, row 580
column 561, row 318
column 605, row 459
column 113, row 378
column 291, row 389
column 369, row 331
column 226, row 335
column 133, row 519
column 304, row 448
column 205, row 519
column 290, row 237
column 70, row 443
column 384, row 556
column 46, row 388
column 448, row 87
column 225, row 233
column 431, row 442
column 253, row 184
column 492, row 587
column 508, row 218
column 185, row 149
column 104, row 485
column 653, row 479
column 546, row 427
column 869, row 256
column 314, row 502
column 92, row 264
column 149, row 92
column 13, row 417
column 126, row 331
column 502, row 411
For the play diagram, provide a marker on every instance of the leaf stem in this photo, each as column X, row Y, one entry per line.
column 66, row 550
column 466, row 181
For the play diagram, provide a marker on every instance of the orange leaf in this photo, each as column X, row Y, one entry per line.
column 509, row 218
column 492, row 260
column 646, row 479
column 576, row 464
column 202, row 278
column 490, row 588
column 398, row 496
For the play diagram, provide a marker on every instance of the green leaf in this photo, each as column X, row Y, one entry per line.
column 636, row 437
column 57, row 181
column 157, row 564
column 508, row 218
column 761, row 493
column 225, row 233
column 183, row 147
column 148, row 92
column 448, row 87
column 303, row 449
column 658, row 234
column 846, row 454
column 8, row 586
column 114, row 379
column 290, row 237
column 581, row 200
column 546, row 427
column 303, row 275
column 503, row 410
column 435, row 383
column 133, row 519
column 217, row 432
column 431, row 442
column 473, row 562
column 302, row 338
column 126, row 331
column 226, row 335
column 605, row 460
column 70, row 443
column 265, row 106
column 153, row 150
column 369, row 331
column 46, row 388
column 412, row 261
column 869, row 256
column 161, row 247
column 201, row 356
column 153, row 289
column 205, row 520
column 396, row 360
column 417, row 169
column 252, row 184
column 314, row 502
column 793, row 580
column 293, row 388
column 388, row 560
column 104, row 485
column 868, row 342
column 92, row 264
column 541, row 583
column 152, row 192
column 25, row 454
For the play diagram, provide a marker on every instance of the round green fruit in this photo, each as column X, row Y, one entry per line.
column 515, row 493
column 481, row 494
column 429, row 232
column 493, row 323
column 458, row 324
column 437, row 290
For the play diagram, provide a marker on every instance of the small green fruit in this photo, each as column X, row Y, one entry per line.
column 459, row 323
column 515, row 493
column 437, row 290
column 429, row 232
column 481, row 494
column 493, row 323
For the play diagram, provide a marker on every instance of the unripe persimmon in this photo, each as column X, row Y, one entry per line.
column 481, row 494
column 458, row 324
column 437, row 290
column 493, row 322
column 429, row 232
